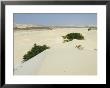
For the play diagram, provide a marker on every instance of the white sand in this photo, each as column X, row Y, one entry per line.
column 61, row 58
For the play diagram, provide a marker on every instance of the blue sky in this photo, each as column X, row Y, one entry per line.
column 56, row 18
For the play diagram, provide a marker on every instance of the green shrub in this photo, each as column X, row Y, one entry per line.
column 89, row 29
column 71, row 36
column 36, row 49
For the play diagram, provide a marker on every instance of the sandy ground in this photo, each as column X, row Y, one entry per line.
column 61, row 58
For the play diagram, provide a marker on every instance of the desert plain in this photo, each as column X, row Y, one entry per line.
column 62, row 58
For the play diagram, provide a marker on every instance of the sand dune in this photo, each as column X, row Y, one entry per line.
column 61, row 58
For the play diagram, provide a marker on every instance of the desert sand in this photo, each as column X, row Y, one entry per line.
column 61, row 58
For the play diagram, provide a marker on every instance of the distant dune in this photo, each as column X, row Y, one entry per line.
column 31, row 26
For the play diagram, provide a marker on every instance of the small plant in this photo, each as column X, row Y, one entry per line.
column 89, row 29
column 79, row 47
column 71, row 36
column 65, row 41
column 36, row 49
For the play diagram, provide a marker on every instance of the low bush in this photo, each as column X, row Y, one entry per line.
column 71, row 36
column 89, row 29
column 36, row 49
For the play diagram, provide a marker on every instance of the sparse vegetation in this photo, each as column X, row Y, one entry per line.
column 79, row 47
column 71, row 36
column 36, row 49
column 89, row 29
column 92, row 28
